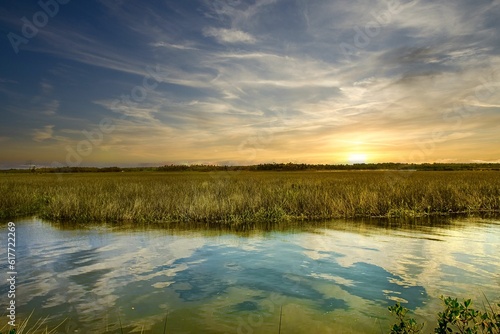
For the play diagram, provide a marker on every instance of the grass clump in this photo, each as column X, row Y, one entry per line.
column 246, row 197
column 39, row 326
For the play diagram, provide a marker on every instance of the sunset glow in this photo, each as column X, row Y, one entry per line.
column 130, row 83
column 357, row 158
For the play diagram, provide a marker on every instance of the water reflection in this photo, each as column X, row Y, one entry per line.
column 328, row 277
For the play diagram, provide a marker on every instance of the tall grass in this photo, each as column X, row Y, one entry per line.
column 234, row 198
column 26, row 327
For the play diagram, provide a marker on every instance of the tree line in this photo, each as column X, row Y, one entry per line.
column 269, row 167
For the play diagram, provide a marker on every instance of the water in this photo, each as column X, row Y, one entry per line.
column 336, row 277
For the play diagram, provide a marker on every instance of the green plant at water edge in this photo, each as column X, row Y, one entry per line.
column 457, row 317
column 461, row 318
column 404, row 326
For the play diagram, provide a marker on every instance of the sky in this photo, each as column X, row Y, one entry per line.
column 148, row 83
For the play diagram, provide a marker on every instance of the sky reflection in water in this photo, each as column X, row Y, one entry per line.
column 341, row 276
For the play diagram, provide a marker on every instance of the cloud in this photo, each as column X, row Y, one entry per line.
column 173, row 46
column 234, row 72
column 7, row 81
column 40, row 135
column 231, row 36
column 51, row 108
column 46, row 88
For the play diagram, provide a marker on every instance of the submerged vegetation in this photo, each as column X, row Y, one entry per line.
column 238, row 197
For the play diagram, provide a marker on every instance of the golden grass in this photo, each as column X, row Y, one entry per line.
column 245, row 197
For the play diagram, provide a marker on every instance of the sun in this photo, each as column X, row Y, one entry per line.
column 357, row 158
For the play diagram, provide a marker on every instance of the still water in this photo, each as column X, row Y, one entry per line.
column 335, row 277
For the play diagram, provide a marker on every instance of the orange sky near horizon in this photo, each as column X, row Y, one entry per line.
column 242, row 83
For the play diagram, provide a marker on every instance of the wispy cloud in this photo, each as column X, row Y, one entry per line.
column 229, row 35
column 43, row 134
column 46, row 88
column 173, row 46
column 269, row 75
column 51, row 108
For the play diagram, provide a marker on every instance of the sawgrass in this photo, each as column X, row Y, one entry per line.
column 233, row 198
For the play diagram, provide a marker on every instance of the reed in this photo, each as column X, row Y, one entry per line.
column 234, row 198
column 25, row 327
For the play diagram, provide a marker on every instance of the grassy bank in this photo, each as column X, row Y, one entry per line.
column 242, row 197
